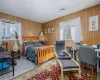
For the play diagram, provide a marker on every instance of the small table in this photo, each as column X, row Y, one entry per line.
column 73, row 50
column 16, row 54
column 98, row 51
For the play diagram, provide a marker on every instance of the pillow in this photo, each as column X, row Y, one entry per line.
column 64, row 52
column 37, row 42
column 29, row 43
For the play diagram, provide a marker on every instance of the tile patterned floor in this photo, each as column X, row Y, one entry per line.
column 23, row 65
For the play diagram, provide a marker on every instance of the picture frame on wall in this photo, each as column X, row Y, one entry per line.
column 45, row 30
column 93, row 23
column 49, row 30
column 53, row 30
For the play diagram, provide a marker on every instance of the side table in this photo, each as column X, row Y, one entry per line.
column 16, row 54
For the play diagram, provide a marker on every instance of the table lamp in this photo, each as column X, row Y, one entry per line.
column 41, row 36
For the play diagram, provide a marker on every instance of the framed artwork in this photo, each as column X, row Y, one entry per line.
column 93, row 23
column 45, row 30
column 49, row 30
column 53, row 30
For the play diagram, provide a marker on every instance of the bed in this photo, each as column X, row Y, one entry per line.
column 36, row 51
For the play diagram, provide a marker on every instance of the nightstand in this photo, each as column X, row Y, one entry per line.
column 16, row 54
column 42, row 42
column 5, row 45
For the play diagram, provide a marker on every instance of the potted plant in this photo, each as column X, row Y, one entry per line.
column 16, row 35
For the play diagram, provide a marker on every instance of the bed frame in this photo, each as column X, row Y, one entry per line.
column 44, row 53
column 30, row 38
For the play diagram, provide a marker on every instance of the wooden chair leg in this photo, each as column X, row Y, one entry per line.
column 82, row 65
column 62, row 74
column 92, row 68
column 79, row 73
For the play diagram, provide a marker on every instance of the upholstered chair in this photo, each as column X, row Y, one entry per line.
column 60, row 49
column 64, row 58
column 87, row 56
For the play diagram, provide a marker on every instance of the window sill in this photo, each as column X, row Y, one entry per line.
column 69, row 39
column 8, row 39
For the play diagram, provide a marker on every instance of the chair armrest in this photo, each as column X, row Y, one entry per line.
column 98, row 61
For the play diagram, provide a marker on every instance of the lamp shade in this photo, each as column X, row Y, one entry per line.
column 41, row 34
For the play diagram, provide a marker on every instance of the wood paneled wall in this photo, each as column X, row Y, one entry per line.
column 29, row 28
column 89, row 38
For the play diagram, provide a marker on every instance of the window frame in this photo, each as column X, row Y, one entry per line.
column 76, row 22
column 5, row 34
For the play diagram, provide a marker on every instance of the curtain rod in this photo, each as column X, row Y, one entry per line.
column 70, row 19
column 8, row 21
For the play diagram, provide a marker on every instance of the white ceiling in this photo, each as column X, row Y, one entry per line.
column 43, row 10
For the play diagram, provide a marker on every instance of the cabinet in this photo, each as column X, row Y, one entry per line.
column 11, row 44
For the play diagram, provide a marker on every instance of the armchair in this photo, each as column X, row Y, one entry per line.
column 6, row 60
column 87, row 56
column 61, row 51
column 64, row 59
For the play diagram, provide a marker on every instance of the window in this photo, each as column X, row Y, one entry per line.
column 8, row 30
column 71, row 30
column 64, row 33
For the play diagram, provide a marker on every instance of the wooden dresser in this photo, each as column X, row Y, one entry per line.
column 11, row 44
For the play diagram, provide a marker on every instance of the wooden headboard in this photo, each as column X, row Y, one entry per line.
column 30, row 38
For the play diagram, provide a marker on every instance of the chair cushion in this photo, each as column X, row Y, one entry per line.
column 4, row 55
column 68, row 63
column 4, row 64
column 63, row 55
column 60, row 42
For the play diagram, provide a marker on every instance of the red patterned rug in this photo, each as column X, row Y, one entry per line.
column 54, row 74
column 51, row 71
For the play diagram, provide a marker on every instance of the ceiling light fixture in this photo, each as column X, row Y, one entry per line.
column 62, row 9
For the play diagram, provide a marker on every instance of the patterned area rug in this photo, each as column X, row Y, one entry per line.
column 51, row 71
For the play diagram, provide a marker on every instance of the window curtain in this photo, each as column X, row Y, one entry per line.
column 1, row 31
column 7, row 25
column 72, row 31
column 65, row 34
column 76, row 30
column 19, row 30
column 63, row 31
